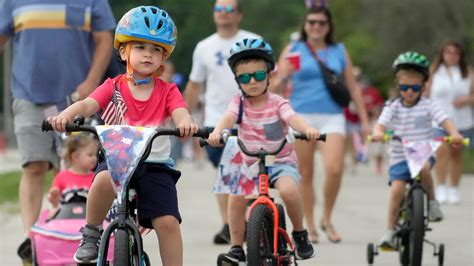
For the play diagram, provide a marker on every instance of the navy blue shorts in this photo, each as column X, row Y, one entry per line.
column 156, row 189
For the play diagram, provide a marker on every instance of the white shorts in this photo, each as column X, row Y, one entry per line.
column 326, row 123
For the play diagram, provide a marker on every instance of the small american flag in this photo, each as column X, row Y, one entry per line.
column 115, row 110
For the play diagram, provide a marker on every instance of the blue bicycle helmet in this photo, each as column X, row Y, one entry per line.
column 149, row 24
column 248, row 48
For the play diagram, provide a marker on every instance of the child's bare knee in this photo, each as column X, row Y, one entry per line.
column 166, row 223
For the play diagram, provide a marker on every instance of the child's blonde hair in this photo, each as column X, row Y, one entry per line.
column 74, row 143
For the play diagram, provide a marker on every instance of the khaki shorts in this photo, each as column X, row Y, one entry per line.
column 34, row 145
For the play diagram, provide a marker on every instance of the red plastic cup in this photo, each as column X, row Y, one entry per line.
column 294, row 59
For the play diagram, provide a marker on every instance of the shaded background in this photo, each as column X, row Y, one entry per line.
column 374, row 31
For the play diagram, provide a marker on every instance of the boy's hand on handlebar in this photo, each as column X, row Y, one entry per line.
column 59, row 122
column 377, row 136
column 214, row 139
column 312, row 134
column 456, row 139
column 187, row 128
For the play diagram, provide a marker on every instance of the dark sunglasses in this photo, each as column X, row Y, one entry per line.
column 246, row 77
column 405, row 87
column 228, row 8
column 321, row 23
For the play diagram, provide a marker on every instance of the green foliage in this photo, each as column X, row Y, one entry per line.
column 11, row 183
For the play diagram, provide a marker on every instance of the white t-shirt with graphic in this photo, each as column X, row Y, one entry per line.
column 210, row 67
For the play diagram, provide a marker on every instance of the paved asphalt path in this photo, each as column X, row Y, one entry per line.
column 359, row 217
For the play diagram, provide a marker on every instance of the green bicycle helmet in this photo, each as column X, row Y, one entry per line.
column 412, row 60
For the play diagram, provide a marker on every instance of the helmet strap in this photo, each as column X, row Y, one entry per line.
column 130, row 75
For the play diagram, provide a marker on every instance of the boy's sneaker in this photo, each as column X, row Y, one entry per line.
column 24, row 251
column 223, row 237
column 303, row 247
column 235, row 257
column 387, row 240
column 434, row 211
column 89, row 247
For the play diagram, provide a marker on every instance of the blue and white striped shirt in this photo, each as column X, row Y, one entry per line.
column 410, row 123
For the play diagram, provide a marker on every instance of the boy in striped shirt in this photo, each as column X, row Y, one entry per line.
column 410, row 117
column 265, row 121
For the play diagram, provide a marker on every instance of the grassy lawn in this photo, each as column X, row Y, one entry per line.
column 10, row 183
column 469, row 161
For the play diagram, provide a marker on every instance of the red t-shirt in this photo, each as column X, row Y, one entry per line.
column 372, row 99
column 153, row 112
column 67, row 180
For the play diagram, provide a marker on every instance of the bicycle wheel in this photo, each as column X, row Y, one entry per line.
column 122, row 248
column 370, row 253
column 259, row 236
column 417, row 226
column 404, row 251
column 284, row 253
column 441, row 255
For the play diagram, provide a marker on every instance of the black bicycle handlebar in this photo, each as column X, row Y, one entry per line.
column 201, row 133
column 261, row 152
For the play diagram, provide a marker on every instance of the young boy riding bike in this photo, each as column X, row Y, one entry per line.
column 410, row 117
column 145, row 37
column 266, row 119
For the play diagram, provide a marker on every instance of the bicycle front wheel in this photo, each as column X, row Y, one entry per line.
column 417, row 226
column 260, row 236
column 122, row 248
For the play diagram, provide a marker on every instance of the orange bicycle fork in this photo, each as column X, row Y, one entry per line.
column 264, row 198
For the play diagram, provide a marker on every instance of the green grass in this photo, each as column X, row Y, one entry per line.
column 9, row 184
column 468, row 157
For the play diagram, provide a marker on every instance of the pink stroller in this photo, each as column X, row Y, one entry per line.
column 54, row 240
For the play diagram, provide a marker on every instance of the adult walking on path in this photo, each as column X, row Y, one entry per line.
column 310, row 98
column 452, row 88
column 45, row 74
column 211, row 72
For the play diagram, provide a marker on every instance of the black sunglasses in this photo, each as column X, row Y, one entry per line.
column 406, row 87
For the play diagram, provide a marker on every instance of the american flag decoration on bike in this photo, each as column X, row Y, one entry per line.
column 114, row 113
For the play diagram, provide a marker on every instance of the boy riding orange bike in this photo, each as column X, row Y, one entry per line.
column 265, row 121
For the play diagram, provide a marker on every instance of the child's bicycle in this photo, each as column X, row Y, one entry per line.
column 125, row 149
column 413, row 218
column 268, row 242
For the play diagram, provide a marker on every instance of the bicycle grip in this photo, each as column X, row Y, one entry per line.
column 302, row 136
column 46, row 126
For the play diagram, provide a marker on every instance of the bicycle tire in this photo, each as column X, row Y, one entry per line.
column 417, row 226
column 122, row 248
column 259, row 235
column 404, row 249
column 282, row 243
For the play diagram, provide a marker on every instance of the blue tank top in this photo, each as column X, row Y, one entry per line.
column 309, row 92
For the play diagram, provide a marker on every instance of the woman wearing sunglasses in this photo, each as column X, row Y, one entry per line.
column 310, row 98
column 452, row 88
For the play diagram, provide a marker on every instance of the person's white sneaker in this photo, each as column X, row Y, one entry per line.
column 453, row 195
column 441, row 194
